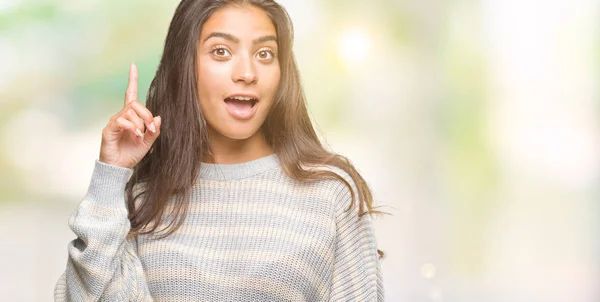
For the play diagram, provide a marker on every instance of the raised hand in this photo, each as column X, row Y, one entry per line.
column 124, row 142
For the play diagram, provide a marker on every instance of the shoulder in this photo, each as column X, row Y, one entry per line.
column 340, row 189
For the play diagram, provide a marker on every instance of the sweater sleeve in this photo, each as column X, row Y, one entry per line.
column 357, row 270
column 102, row 263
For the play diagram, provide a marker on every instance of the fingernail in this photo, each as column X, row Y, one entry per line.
column 139, row 133
column 152, row 127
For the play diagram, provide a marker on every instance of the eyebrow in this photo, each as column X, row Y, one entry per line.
column 234, row 39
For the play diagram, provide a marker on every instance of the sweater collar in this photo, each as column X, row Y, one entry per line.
column 238, row 170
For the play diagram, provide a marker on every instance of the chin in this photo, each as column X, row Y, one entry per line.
column 239, row 134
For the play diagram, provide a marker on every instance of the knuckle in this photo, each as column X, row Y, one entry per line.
column 149, row 115
column 105, row 132
column 135, row 103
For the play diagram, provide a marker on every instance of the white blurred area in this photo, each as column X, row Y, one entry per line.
column 543, row 128
column 504, row 208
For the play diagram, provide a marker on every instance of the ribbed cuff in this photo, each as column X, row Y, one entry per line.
column 107, row 187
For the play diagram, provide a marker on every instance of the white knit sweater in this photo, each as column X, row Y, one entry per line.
column 251, row 234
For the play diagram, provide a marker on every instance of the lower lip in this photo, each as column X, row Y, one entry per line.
column 241, row 114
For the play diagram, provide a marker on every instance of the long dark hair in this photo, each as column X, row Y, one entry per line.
column 171, row 166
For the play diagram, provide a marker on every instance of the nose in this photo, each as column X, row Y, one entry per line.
column 244, row 70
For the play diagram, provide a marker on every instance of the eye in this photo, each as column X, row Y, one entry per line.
column 265, row 54
column 221, row 52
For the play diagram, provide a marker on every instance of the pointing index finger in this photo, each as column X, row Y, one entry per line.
column 132, row 86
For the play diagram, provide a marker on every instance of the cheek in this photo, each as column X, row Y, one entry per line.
column 272, row 79
column 210, row 79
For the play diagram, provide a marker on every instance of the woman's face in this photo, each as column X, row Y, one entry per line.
column 237, row 70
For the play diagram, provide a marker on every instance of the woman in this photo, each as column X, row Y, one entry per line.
column 219, row 189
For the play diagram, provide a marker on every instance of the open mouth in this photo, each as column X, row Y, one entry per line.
column 241, row 102
column 241, row 107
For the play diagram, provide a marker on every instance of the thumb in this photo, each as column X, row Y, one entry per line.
column 150, row 136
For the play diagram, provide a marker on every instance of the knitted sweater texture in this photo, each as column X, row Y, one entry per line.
column 251, row 234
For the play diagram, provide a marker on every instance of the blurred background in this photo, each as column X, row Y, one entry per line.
column 476, row 123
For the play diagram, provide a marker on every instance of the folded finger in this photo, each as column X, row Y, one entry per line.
column 132, row 117
column 144, row 114
column 122, row 124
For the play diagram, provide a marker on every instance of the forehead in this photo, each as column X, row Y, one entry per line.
column 245, row 22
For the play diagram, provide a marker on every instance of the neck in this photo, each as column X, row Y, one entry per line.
column 226, row 150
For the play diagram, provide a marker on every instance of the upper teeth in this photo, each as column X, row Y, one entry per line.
column 242, row 98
